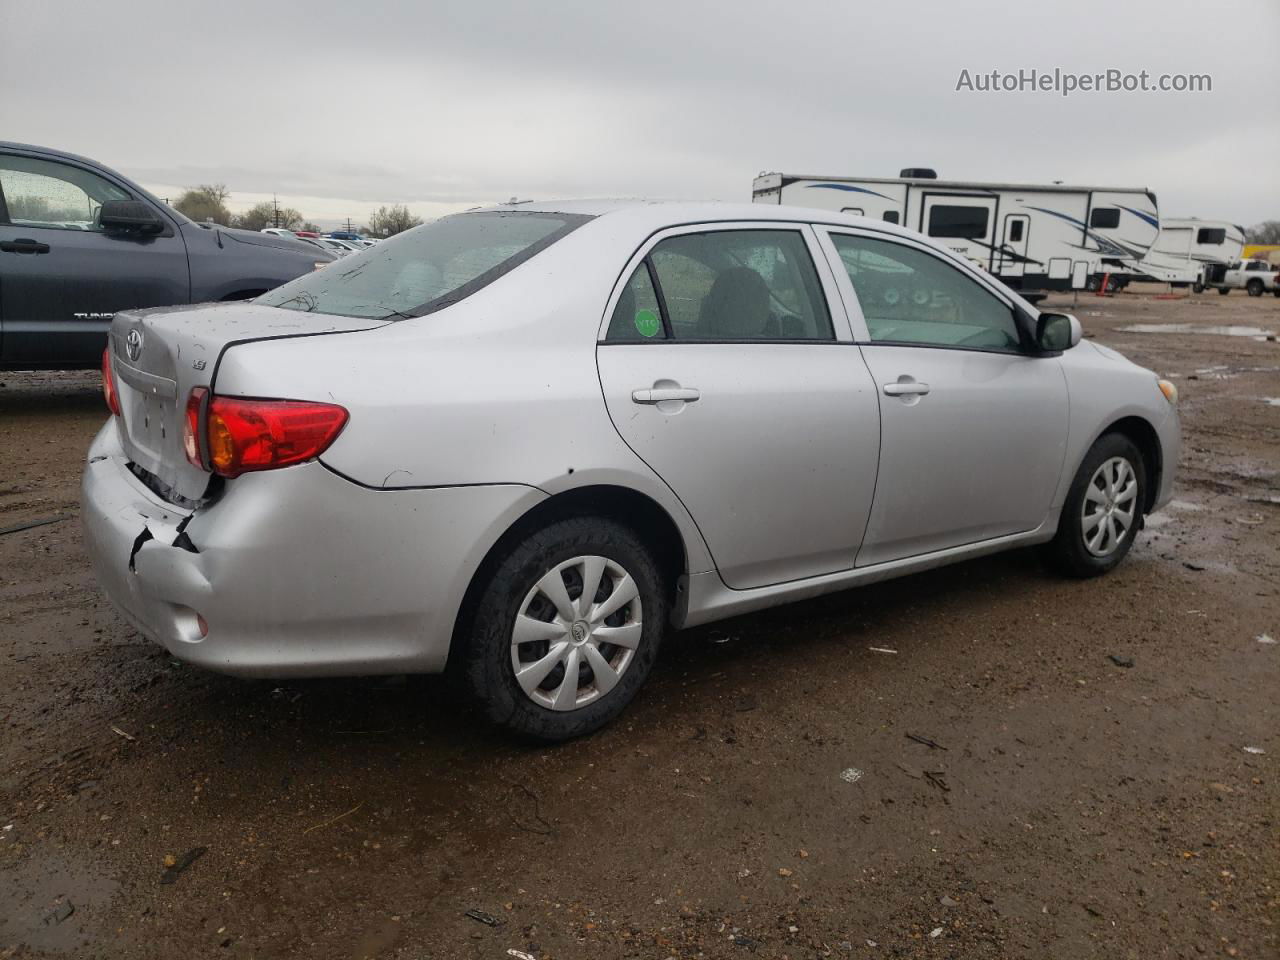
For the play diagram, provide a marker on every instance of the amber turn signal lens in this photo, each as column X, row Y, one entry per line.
column 1169, row 390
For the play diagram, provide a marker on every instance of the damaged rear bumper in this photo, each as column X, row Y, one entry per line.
column 296, row 572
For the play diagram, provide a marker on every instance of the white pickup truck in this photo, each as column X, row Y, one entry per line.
column 1255, row 276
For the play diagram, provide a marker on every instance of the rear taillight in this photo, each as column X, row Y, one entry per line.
column 242, row 435
column 109, row 392
column 191, row 427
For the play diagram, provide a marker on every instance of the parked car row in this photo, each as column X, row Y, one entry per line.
column 340, row 244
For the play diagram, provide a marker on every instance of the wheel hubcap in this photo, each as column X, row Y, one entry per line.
column 576, row 633
column 1110, row 507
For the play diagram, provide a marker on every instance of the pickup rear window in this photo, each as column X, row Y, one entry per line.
column 425, row 269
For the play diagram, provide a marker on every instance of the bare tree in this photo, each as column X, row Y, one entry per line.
column 205, row 202
column 263, row 214
column 389, row 221
column 1266, row 232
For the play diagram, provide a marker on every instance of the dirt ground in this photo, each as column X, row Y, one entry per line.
column 995, row 787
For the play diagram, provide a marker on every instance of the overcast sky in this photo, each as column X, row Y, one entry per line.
column 339, row 107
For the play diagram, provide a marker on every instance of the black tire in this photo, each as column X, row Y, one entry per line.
column 1254, row 287
column 1224, row 290
column 1198, row 287
column 1276, row 291
column 1093, row 283
column 487, row 669
column 1067, row 551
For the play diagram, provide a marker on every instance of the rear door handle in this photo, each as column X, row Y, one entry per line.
column 23, row 245
column 906, row 388
column 659, row 394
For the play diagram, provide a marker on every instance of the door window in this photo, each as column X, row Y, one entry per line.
column 740, row 285
column 40, row 193
column 909, row 296
column 1015, row 231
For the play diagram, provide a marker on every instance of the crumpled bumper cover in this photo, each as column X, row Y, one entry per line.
column 297, row 572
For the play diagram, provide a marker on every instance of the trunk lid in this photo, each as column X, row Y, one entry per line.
column 159, row 355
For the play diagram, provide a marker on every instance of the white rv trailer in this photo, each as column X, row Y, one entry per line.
column 1031, row 236
column 1193, row 251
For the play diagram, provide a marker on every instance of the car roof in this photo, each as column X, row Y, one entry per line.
column 657, row 214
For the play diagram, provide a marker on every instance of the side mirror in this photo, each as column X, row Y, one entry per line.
column 130, row 216
column 1056, row 332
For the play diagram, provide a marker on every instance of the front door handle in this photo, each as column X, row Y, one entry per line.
column 906, row 388
column 23, row 245
column 661, row 394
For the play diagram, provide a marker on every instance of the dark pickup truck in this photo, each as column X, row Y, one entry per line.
column 79, row 242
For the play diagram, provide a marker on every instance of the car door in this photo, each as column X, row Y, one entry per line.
column 723, row 370
column 973, row 426
column 62, row 277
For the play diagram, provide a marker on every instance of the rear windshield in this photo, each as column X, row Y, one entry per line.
column 425, row 269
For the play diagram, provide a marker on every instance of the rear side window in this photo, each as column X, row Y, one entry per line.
column 947, row 220
column 1212, row 236
column 1106, row 218
column 740, row 285
column 427, row 268
column 637, row 315
column 41, row 193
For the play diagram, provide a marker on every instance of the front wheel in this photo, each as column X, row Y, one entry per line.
column 566, row 629
column 1197, row 287
column 1103, row 511
column 1223, row 291
column 1254, row 287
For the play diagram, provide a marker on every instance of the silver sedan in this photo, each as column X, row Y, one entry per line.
column 526, row 442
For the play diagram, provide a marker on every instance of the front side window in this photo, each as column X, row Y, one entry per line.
column 427, row 268
column 741, row 285
column 954, row 220
column 909, row 296
column 1212, row 236
column 1105, row 218
column 891, row 216
column 41, row 193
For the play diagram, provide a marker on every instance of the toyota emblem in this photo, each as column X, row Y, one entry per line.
column 133, row 344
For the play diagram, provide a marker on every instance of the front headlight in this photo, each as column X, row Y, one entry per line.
column 1169, row 390
column 320, row 263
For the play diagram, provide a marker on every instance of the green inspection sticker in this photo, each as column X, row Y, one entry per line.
column 647, row 323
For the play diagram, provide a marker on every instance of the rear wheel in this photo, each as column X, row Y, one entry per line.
column 1103, row 511
column 1254, row 287
column 1224, row 290
column 1198, row 287
column 566, row 630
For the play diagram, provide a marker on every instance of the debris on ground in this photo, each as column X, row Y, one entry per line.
column 784, row 872
column 881, row 650
column 59, row 913
column 935, row 933
column 1257, row 751
column 1192, row 566
column 174, row 871
column 520, row 954
column 938, row 779
column 948, row 902
column 1265, row 638
column 488, row 919
column 30, row 525
column 128, row 736
column 1120, row 661
column 851, row 775
column 931, row 744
